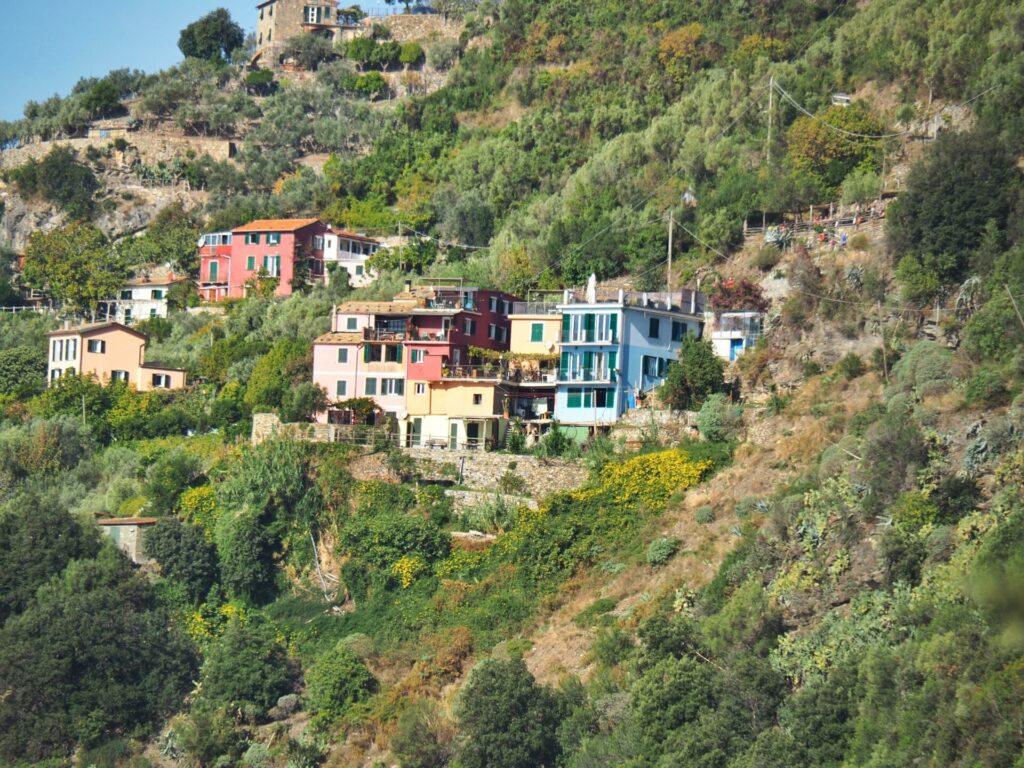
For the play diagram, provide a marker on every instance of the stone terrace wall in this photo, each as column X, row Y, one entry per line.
column 483, row 470
column 153, row 147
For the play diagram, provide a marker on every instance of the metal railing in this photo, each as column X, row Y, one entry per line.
column 535, row 308
column 589, row 337
column 499, row 373
column 587, row 374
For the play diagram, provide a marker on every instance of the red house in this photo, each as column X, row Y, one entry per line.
column 290, row 251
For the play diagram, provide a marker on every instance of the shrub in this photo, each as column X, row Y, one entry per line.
column 738, row 295
column 247, row 668
column 336, row 682
column 719, row 419
column 423, row 737
column 660, row 551
column 811, row 368
column 510, row 482
column 611, row 646
column 986, row 389
column 704, row 515
column 184, row 555
column 593, row 613
column 767, row 258
column 851, row 366
column 925, row 369
column 442, row 54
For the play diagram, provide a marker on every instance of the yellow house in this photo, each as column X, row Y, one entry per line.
column 456, row 413
column 535, row 333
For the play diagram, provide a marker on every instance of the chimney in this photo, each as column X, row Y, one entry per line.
column 408, row 286
column 67, row 323
column 622, row 295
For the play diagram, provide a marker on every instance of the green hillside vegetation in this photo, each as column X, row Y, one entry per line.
column 864, row 609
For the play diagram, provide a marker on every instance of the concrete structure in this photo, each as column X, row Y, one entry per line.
column 732, row 333
column 143, row 297
column 457, row 414
column 284, row 250
column 109, row 351
column 349, row 251
column 616, row 348
column 128, row 535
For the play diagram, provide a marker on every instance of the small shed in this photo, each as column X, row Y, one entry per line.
column 127, row 535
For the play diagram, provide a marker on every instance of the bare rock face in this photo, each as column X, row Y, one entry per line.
column 21, row 218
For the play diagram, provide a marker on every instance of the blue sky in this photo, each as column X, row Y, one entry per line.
column 48, row 47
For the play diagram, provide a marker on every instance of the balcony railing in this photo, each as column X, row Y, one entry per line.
column 587, row 374
column 381, row 334
column 498, row 373
column 589, row 337
column 534, row 308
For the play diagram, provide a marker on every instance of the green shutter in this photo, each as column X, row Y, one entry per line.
column 565, row 363
column 588, row 398
column 399, row 386
column 371, row 386
column 366, row 353
column 588, row 326
column 566, row 325
column 613, row 359
column 588, row 364
column 613, row 325
column 537, row 332
column 398, row 359
column 574, row 398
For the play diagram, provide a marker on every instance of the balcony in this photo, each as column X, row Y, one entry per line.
column 495, row 372
column 588, row 374
column 535, row 308
column 385, row 334
column 590, row 337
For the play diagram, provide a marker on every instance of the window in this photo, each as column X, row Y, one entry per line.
column 502, row 333
column 214, row 269
column 654, row 328
column 161, row 381
column 342, row 355
column 469, row 327
column 312, row 14
column 359, row 269
column 57, row 350
column 416, row 356
column 604, row 398
column 252, row 238
column 97, row 346
column 678, row 330
column 341, row 388
column 119, row 376
column 575, row 398
column 152, row 313
column 273, row 265
column 128, row 315
column 250, row 263
column 504, row 307
column 537, row 332
column 270, row 35
column 392, row 386
column 478, row 399
column 650, row 365
column 493, row 303
column 318, row 243
column 54, row 374
column 273, row 238
column 350, row 324
column 126, row 295
column 491, row 331
column 421, row 389
column 371, row 386
column 393, row 353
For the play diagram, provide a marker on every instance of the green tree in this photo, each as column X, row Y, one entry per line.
column 411, row 54
column 66, row 677
column 816, row 147
column 169, row 477
column 336, row 681
column 214, row 36
column 287, row 364
column 102, row 100
column 60, row 179
column 965, row 181
column 361, row 51
column 36, row 544
column 309, row 51
column 696, row 374
column 507, row 720
column 75, row 264
column 245, row 548
column 184, row 554
column 423, row 738
column 247, row 668
column 22, row 371
column 372, row 84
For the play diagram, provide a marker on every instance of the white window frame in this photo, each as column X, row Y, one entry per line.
column 420, row 389
column 97, row 346
column 341, row 389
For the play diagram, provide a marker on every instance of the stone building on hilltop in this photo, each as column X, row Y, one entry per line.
column 278, row 21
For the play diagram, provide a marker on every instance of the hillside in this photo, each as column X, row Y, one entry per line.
column 814, row 561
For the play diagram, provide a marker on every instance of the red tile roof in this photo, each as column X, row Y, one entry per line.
column 128, row 521
column 275, row 225
column 85, row 330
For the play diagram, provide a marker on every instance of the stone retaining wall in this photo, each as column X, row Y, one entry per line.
column 463, row 501
column 484, row 470
column 152, row 147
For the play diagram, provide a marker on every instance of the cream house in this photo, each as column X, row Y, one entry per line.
column 109, row 351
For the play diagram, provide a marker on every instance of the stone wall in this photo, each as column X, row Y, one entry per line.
column 152, row 147
column 483, row 470
column 463, row 501
column 668, row 426
column 268, row 425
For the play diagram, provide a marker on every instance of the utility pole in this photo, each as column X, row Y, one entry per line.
column 771, row 104
column 671, row 226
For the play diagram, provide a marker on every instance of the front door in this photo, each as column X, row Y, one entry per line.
column 417, row 432
column 453, row 436
column 472, row 434
column 735, row 348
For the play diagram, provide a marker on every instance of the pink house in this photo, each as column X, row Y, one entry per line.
column 290, row 251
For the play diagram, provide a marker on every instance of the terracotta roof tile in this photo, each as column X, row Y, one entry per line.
column 377, row 307
column 128, row 521
column 84, row 330
column 275, row 225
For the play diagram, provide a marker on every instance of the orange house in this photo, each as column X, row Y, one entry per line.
column 108, row 351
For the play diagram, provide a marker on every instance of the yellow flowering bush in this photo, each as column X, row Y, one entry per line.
column 461, row 564
column 199, row 506
column 407, row 569
column 208, row 621
column 649, row 479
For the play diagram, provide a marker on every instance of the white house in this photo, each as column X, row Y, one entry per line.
column 734, row 332
column 142, row 297
column 350, row 251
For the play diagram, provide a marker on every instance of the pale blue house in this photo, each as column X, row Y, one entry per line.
column 615, row 348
